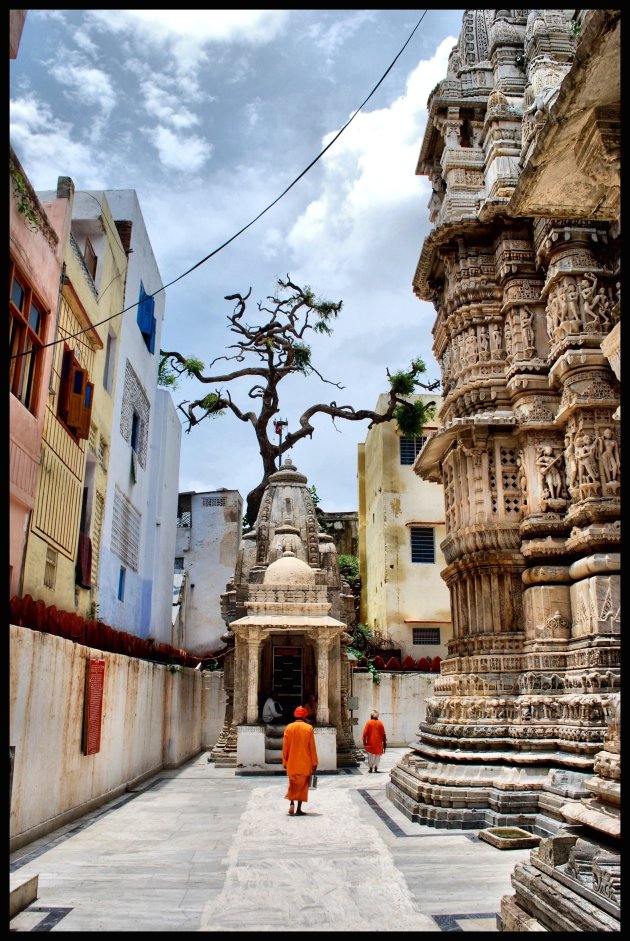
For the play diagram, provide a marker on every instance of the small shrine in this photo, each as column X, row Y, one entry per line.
column 286, row 610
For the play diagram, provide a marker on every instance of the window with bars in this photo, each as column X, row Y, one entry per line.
column 27, row 320
column 410, row 447
column 50, row 568
column 426, row 636
column 422, row 544
column 213, row 501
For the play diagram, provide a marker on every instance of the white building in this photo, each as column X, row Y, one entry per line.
column 401, row 526
column 208, row 534
column 136, row 567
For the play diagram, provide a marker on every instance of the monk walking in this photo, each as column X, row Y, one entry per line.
column 374, row 740
column 299, row 757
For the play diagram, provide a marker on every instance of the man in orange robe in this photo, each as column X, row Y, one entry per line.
column 299, row 757
column 374, row 740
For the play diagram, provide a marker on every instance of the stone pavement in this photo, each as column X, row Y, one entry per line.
column 204, row 849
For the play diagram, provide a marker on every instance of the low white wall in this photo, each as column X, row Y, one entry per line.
column 400, row 699
column 152, row 718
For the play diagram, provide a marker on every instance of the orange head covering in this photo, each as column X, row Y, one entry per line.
column 300, row 712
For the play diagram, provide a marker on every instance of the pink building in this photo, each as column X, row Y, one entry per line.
column 38, row 235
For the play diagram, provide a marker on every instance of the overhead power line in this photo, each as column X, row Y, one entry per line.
column 260, row 214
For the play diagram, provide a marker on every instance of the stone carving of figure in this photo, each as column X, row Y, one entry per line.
column 483, row 340
column 587, row 290
column 553, row 321
column 616, row 308
column 496, row 336
column 522, row 476
column 562, row 309
column 455, row 355
column 527, row 317
column 602, row 305
column 585, row 453
column 570, row 464
column 549, row 474
column 608, row 451
column 471, row 348
column 572, row 307
column 507, row 334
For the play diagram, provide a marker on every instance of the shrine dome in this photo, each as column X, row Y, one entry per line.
column 289, row 570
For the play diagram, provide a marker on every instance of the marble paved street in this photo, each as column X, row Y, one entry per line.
column 203, row 849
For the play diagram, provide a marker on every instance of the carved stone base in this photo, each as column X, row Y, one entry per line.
column 569, row 885
column 476, row 796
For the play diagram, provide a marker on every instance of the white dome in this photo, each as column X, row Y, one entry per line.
column 289, row 570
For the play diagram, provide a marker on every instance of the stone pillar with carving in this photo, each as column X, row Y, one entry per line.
column 527, row 450
column 323, row 711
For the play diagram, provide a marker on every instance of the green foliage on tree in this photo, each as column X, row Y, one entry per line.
column 269, row 349
column 349, row 566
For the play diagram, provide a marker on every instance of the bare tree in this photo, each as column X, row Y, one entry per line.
column 270, row 350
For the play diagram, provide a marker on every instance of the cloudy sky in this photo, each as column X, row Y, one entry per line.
column 209, row 115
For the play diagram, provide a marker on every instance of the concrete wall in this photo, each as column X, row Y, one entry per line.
column 162, row 511
column 152, row 719
column 400, row 699
column 209, row 548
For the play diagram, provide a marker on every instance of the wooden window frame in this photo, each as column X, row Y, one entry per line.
column 90, row 258
column 76, row 396
column 25, row 342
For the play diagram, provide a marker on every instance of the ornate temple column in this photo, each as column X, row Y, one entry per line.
column 523, row 304
column 323, row 710
column 254, row 639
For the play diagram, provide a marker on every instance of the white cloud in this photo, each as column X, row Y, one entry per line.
column 177, row 152
column 331, row 36
column 50, row 147
column 166, row 106
column 368, row 174
column 185, row 34
column 86, row 84
column 198, row 27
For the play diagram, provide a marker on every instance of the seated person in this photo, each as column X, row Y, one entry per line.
column 272, row 712
column 311, row 709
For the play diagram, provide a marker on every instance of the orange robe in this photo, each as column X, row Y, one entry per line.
column 299, row 757
column 374, row 736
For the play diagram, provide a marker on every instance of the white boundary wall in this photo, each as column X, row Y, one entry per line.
column 152, row 719
column 400, row 699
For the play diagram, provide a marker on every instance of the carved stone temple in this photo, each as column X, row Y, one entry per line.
column 286, row 609
column 522, row 265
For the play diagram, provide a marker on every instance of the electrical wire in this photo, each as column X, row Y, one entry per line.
column 260, row 214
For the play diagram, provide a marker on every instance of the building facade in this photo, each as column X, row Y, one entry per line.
column 38, row 234
column 209, row 528
column 61, row 561
column 139, row 522
column 401, row 529
column 523, row 268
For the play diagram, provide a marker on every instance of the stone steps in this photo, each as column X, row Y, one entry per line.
column 23, row 891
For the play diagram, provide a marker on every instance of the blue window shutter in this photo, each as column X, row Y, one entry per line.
column 145, row 313
column 151, row 343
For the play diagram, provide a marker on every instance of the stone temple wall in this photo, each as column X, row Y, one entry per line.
column 528, row 451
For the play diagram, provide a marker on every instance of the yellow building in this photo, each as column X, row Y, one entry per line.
column 61, row 563
column 401, row 527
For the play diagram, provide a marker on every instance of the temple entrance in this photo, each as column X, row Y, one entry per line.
column 288, row 678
